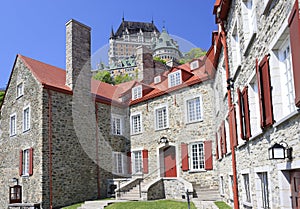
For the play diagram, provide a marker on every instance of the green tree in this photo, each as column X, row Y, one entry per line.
column 104, row 76
column 192, row 54
column 122, row 78
column 1, row 96
column 158, row 59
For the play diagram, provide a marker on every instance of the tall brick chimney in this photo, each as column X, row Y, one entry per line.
column 78, row 52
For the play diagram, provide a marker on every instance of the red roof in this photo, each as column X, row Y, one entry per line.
column 55, row 78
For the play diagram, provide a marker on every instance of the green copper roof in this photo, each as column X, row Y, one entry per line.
column 165, row 41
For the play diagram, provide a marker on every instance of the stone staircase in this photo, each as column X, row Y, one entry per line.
column 205, row 193
column 131, row 190
column 98, row 204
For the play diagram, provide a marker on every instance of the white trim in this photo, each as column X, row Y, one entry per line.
column 162, row 106
column 22, row 92
column 15, row 125
column 282, row 32
column 169, row 78
column 117, row 116
column 29, row 118
column 245, row 171
column 186, row 113
column 139, row 92
column 141, row 122
column 194, row 64
column 190, row 154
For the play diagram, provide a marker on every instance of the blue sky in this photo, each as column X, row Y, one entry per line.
column 36, row 28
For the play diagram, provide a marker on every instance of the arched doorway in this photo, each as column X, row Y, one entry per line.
column 168, row 161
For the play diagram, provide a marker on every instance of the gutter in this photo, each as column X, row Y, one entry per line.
column 235, row 182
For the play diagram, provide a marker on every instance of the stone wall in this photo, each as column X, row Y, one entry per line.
column 179, row 131
column 252, row 156
column 10, row 146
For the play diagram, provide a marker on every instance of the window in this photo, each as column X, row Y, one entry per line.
column 194, row 65
column 244, row 118
column 264, row 190
column 13, row 125
column 281, row 71
column 26, row 162
column 249, row 21
column 197, row 158
column 235, row 47
column 222, row 191
column 119, row 162
column 136, row 124
column 254, row 107
column 137, row 162
column 247, row 197
column 26, row 119
column 161, row 118
column 20, row 90
column 157, row 79
column 230, row 186
column 174, row 78
column 136, row 92
column 194, row 110
column 116, row 125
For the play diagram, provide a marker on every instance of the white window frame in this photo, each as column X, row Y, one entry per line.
column 174, row 79
column 283, row 97
column 20, row 89
column 115, row 130
column 194, row 64
column 235, row 47
column 263, row 194
column 200, row 155
column 137, row 92
column 222, row 185
column 26, row 118
column 165, row 117
column 119, row 163
column 254, row 106
column 25, row 162
column 137, row 161
column 157, row 79
column 249, row 22
column 13, row 125
column 247, row 198
column 230, row 186
column 187, row 109
column 132, row 128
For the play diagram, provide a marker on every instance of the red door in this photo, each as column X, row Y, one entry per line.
column 170, row 162
column 295, row 187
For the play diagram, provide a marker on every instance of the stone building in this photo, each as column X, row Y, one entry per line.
column 130, row 35
column 257, row 77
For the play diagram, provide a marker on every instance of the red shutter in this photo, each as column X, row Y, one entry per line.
column 246, row 112
column 232, row 127
column 21, row 163
column 294, row 25
column 217, row 147
column 223, row 132
column 184, row 157
column 145, row 161
column 129, row 162
column 30, row 161
column 264, row 87
column 208, row 155
column 241, row 106
column 258, row 77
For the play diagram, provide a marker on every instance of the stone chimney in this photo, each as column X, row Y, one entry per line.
column 78, row 52
column 145, row 64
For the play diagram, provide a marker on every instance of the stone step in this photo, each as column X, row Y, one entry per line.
column 204, row 204
column 99, row 204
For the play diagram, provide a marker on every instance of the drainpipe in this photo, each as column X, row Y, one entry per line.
column 229, row 99
column 97, row 151
column 50, row 146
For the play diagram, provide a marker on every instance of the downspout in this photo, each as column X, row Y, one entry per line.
column 50, row 147
column 229, row 98
column 97, row 151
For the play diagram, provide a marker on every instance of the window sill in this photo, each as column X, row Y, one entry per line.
column 161, row 129
column 284, row 119
column 25, row 131
column 255, row 135
column 236, row 70
column 25, row 176
column 248, row 44
column 19, row 97
column 267, row 6
column 13, row 135
column 116, row 134
column 133, row 134
column 192, row 122
column 248, row 204
column 197, row 171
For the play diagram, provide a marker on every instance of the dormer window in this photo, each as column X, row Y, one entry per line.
column 136, row 92
column 20, row 90
column 194, row 65
column 157, row 79
column 174, row 78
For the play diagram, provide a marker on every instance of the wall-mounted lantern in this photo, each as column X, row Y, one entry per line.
column 278, row 151
column 163, row 140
